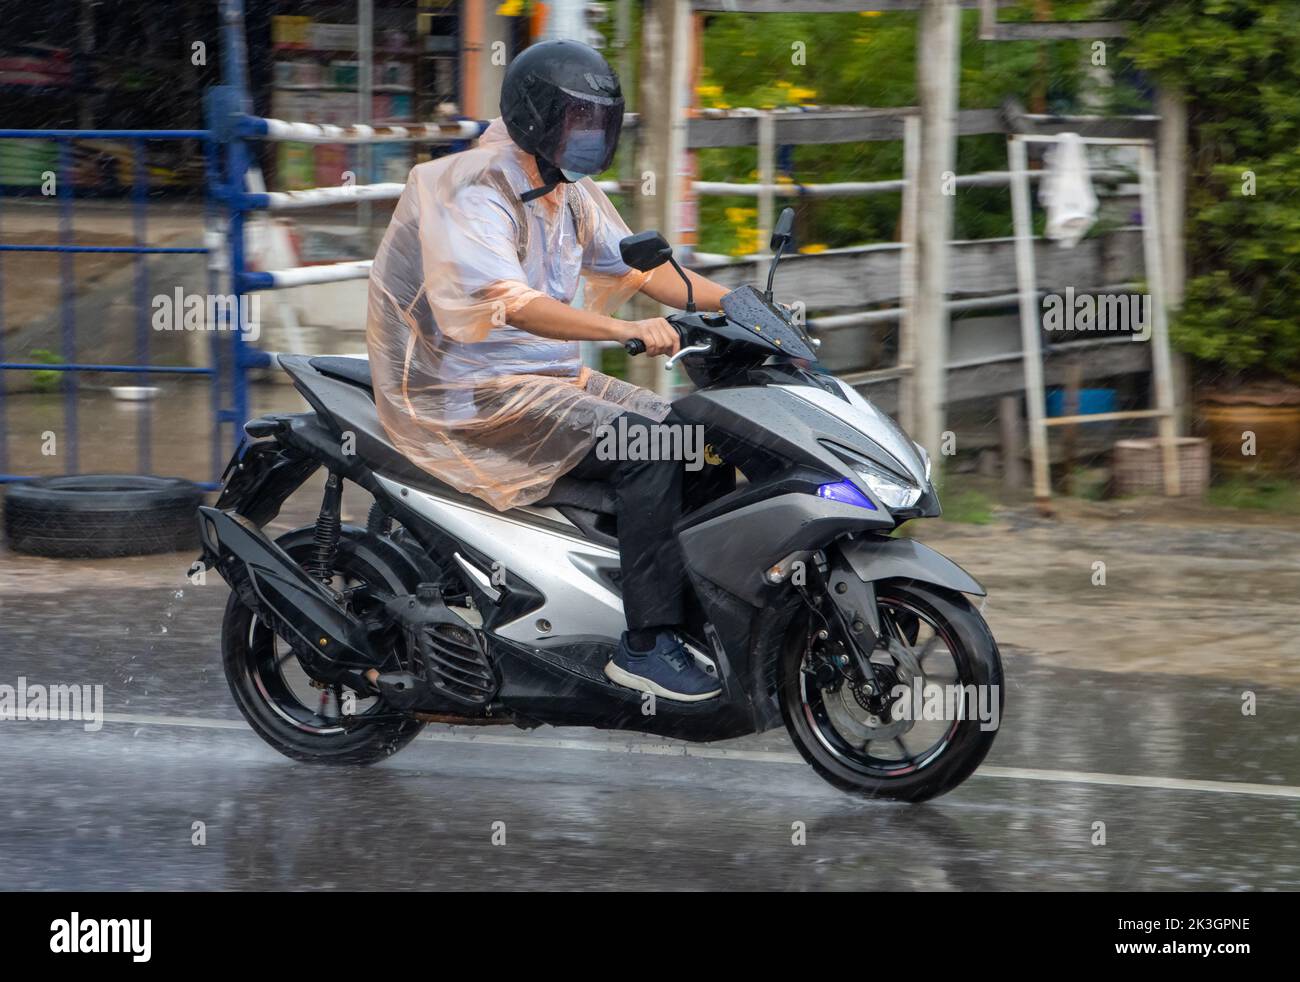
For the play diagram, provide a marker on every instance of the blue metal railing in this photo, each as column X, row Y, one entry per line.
column 227, row 161
column 67, row 249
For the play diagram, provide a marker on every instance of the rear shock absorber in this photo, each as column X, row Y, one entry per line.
column 328, row 525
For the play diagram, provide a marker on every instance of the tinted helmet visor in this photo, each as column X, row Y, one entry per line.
column 586, row 138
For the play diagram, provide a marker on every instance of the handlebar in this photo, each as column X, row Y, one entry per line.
column 635, row 346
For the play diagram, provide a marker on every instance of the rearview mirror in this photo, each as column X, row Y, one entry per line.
column 645, row 251
column 783, row 233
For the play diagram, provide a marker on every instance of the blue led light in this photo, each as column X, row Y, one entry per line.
column 846, row 494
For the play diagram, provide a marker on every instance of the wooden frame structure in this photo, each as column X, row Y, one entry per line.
column 926, row 258
column 1075, row 30
column 1031, row 328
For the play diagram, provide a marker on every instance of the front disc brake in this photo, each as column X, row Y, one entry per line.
column 855, row 721
column 857, row 728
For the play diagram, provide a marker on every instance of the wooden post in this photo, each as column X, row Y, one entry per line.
column 471, row 58
column 365, row 114
column 1030, row 342
column 661, row 143
column 625, row 161
column 1161, row 368
column 1070, row 438
column 766, row 178
column 1171, row 151
column 1013, row 472
column 938, row 45
column 625, row 69
column 907, row 270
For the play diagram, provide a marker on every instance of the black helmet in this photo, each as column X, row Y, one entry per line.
column 562, row 103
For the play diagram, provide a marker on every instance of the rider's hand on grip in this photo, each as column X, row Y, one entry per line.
column 656, row 335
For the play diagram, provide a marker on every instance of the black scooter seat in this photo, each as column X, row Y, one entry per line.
column 353, row 370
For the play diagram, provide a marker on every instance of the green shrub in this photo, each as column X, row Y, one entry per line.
column 46, row 381
column 1238, row 64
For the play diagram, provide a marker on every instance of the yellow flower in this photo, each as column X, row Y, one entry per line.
column 746, row 241
column 813, row 249
column 510, row 8
column 783, row 85
column 738, row 216
column 868, row 13
column 803, row 95
column 708, row 91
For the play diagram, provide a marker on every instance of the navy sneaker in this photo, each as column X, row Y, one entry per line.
column 667, row 670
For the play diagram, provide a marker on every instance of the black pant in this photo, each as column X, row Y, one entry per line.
column 648, row 502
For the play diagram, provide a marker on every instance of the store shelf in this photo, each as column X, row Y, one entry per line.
column 377, row 90
column 280, row 49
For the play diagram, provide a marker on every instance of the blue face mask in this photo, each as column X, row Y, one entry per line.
column 584, row 153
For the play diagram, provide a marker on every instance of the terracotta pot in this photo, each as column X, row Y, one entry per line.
column 1273, row 416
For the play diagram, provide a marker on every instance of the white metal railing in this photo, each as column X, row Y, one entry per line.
column 281, row 130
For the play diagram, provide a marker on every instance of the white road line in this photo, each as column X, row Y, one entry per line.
column 461, row 736
column 1140, row 781
column 200, row 722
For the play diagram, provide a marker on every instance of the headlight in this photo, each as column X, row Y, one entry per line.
column 891, row 491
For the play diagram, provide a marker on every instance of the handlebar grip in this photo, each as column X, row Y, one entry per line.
column 634, row 346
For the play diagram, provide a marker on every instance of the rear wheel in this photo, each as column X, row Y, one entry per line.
column 930, row 717
column 299, row 716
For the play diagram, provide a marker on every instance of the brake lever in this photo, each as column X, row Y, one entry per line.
column 694, row 349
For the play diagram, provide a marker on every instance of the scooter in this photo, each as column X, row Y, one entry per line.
column 341, row 642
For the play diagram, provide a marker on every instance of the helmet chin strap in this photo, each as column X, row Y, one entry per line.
column 552, row 177
column 536, row 193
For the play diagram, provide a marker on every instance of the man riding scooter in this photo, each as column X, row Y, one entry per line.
column 473, row 335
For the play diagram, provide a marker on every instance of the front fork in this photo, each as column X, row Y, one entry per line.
column 841, row 650
column 853, row 605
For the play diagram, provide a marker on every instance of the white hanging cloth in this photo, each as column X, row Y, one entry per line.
column 1066, row 192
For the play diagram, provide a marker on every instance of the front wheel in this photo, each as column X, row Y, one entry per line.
column 929, row 718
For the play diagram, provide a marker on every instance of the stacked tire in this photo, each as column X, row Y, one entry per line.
column 96, row 516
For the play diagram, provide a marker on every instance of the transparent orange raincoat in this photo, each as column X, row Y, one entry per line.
column 485, row 407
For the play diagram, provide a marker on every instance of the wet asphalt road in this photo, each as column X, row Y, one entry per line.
column 115, row 809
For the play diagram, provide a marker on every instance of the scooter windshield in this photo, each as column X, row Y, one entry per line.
column 756, row 314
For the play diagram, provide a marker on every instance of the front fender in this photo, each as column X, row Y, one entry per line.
column 734, row 549
column 876, row 557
